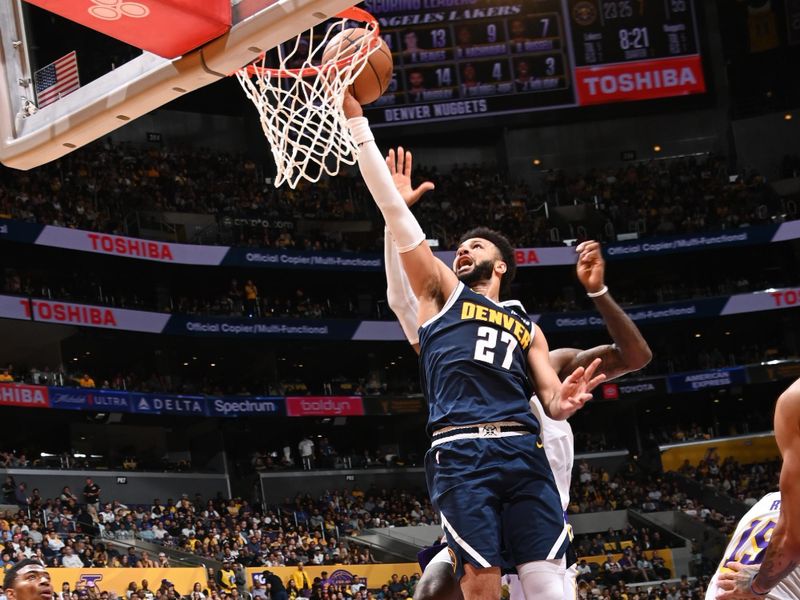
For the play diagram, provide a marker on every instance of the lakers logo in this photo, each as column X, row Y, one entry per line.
column 539, row 443
column 584, row 13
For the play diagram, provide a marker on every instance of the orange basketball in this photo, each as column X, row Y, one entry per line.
column 374, row 80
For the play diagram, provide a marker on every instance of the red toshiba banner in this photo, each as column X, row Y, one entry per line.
column 640, row 80
column 168, row 28
column 26, row 396
column 324, row 406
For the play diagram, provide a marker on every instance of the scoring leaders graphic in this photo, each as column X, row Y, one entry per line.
column 488, row 57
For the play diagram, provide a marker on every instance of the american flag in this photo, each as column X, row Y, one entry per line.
column 57, row 79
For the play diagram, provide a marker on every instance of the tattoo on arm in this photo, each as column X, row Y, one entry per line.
column 775, row 567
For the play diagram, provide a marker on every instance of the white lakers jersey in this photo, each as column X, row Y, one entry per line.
column 749, row 545
column 559, row 445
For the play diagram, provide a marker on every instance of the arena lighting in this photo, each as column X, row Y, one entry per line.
column 78, row 455
column 697, row 335
column 536, row 162
column 716, row 400
column 186, row 364
column 656, row 148
column 788, row 117
column 727, row 333
column 213, row 364
column 46, row 455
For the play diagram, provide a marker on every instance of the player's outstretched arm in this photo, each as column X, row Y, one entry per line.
column 430, row 279
column 560, row 400
column 783, row 553
column 630, row 351
column 399, row 293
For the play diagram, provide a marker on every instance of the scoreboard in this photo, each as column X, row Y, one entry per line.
column 464, row 58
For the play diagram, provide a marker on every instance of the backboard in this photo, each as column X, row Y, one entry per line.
column 131, row 84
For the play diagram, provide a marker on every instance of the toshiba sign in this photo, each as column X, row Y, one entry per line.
column 640, row 80
column 324, row 406
column 26, row 396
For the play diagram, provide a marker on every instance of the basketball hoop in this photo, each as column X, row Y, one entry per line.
column 300, row 99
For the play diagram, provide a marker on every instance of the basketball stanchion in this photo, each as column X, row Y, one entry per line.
column 299, row 99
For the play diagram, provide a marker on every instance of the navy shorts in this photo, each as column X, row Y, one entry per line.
column 498, row 501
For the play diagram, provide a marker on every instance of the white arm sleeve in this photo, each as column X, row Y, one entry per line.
column 405, row 230
column 401, row 297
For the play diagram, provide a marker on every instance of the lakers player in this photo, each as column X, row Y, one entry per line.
column 763, row 556
column 628, row 353
column 480, row 363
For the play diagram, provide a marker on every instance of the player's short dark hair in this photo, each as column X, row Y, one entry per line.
column 11, row 575
column 506, row 253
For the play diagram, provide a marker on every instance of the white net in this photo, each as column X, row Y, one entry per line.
column 300, row 99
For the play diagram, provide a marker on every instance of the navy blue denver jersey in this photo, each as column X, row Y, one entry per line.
column 473, row 363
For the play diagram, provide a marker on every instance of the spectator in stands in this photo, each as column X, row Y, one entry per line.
column 91, row 491
column 306, row 449
column 163, row 561
column 65, row 593
column 251, row 299
column 612, row 570
column 258, row 591
column 645, row 567
column 146, row 562
column 226, row 577
column 6, row 377
column 300, row 578
column 197, row 592
column 70, row 560
column 275, row 587
column 85, row 381
column 21, row 496
column 584, row 571
column 145, row 592
column 67, row 496
column 9, row 490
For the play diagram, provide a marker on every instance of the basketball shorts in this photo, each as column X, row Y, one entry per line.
column 498, row 501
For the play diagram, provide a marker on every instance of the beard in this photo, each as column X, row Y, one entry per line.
column 482, row 271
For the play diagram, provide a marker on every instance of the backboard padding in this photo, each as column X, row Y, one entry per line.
column 137, row 87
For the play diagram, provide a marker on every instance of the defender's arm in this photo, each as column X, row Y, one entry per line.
column 560, row 400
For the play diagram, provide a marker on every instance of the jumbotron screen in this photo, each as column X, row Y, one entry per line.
column 465, row 58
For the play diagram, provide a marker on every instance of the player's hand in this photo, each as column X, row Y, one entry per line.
column 591, row 266
column 576, row 390
column 735, row 584
column 351, row 107
column 400, row 164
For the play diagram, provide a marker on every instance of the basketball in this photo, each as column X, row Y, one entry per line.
column 374, row 79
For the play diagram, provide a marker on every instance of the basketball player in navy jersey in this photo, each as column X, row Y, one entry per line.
column 777, row 577
column 629, row 352
column 480, row 362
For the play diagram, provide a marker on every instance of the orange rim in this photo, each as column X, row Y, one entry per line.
column 354, row 13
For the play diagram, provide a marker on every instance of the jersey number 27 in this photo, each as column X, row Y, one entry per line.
column 486, row 344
